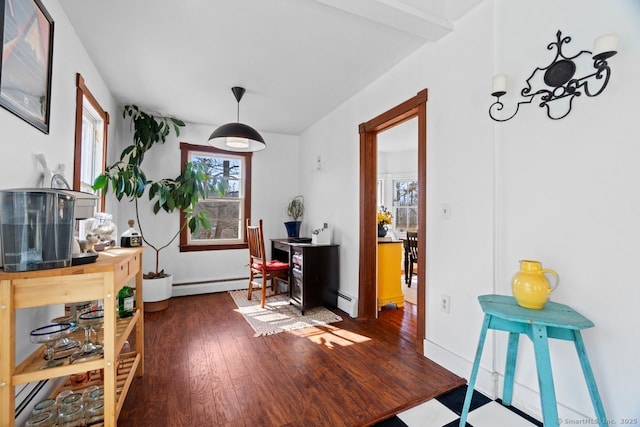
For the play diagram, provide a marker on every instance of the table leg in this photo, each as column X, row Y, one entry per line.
column 510, row 367
column 407, row 280
column 474, row 371
column 545, row 376
column 589, row 378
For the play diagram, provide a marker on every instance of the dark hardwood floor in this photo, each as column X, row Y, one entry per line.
column 203, row 367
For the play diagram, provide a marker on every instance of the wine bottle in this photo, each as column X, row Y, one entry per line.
column 125, row 302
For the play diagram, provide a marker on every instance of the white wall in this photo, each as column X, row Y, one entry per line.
column 564, row 192
column 568, row 194
column 21, row 142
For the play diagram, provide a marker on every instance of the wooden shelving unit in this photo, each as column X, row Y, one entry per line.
column 97, row 281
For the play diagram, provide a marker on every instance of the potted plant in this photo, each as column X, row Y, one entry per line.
column 295, row 210
column 384, row 219
column 126, row 178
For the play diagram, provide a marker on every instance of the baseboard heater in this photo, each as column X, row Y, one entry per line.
column 348, row 304
column 200, row 282
column 209, row 286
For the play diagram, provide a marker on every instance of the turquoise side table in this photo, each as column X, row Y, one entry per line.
column 555, row 320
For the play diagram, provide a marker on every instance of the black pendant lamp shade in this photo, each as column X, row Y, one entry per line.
column 237, row 136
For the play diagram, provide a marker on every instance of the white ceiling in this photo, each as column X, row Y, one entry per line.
column 297, row 59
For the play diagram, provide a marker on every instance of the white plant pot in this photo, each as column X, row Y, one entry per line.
column 156, row 293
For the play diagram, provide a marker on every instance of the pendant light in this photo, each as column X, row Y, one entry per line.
column 237, row 136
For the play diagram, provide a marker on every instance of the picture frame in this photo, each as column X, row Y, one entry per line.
column 26, row 61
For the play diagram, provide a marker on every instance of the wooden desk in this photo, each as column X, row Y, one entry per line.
column 553, row 321
column 389, row 275
column 314, row 274
column 280, row 248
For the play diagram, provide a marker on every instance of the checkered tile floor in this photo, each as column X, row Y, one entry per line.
column 444, row 411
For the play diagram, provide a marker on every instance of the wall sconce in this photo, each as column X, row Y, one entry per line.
column 558, row 84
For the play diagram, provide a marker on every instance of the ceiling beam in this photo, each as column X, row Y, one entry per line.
column 396, row 14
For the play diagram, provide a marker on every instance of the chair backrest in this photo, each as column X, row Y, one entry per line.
column 412, row 243
column 256, row 242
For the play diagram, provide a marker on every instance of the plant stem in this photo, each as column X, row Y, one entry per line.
column 155, row 248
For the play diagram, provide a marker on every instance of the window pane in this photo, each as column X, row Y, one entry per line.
column 405, row 203
column 226, row 171
column 405, row 193
column 226, row 220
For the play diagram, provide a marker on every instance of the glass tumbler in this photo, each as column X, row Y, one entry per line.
column 71, row 416
column 62, row 395
column 41, row 419
column 74, row 399
column 97, row 395
column 47, row 405
column 94, row 412
column 87, row 391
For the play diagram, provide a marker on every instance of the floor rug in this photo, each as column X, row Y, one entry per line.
column 410, row 292
column 278, row 315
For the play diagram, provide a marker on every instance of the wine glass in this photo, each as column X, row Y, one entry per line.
column 65, row 344
column 90, row 321
column 48, row 335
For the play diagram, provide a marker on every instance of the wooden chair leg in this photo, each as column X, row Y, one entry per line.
column 250, row 285
column 264, row 291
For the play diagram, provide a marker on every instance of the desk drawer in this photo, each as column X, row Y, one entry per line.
column 281, row 246
column 121, row 272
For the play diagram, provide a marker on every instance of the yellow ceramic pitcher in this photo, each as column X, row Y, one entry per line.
column 530, row 286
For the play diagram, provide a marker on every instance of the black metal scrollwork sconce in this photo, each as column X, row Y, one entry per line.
column 558, row 84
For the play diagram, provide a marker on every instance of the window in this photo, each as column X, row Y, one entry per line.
column 231, row 204
column 92, row 162
column 405, row 204
column 90, row 144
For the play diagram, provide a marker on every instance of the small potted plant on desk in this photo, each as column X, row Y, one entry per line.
column 295, row 210
column 127, row 178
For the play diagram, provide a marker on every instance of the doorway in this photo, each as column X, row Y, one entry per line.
column 415, row 107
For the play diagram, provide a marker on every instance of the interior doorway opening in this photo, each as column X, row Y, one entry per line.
column 415, row 107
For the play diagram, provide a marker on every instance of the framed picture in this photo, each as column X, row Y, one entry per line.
column 25, row 65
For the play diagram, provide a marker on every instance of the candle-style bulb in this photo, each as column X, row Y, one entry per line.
column 605, row 46
column 499, row 86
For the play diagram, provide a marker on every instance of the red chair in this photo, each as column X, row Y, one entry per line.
column 274, row 271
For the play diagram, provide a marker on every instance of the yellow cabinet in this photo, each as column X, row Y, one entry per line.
column 97, row 281
column 390, row 274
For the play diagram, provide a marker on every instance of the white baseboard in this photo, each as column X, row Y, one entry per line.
column 524, row 398
column 461, row 367
column 179, row 290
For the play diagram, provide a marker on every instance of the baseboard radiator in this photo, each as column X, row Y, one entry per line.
column 348, row 304
column 209, row 286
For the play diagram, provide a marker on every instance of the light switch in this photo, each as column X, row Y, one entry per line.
column 445, row 211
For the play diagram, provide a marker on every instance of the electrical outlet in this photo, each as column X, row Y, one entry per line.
column 445, row 303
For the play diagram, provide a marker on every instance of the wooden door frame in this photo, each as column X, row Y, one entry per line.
column 367, row 283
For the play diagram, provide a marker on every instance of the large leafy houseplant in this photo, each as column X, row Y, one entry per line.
column 126, row 178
